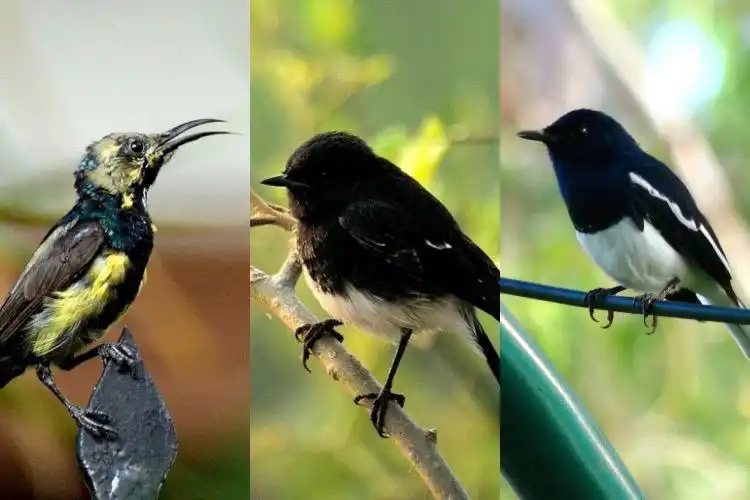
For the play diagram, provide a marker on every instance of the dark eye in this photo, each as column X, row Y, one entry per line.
column 584, row 131
column 136, row 146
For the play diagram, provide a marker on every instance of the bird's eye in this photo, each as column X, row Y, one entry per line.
column 584, row 131
column 137, row 146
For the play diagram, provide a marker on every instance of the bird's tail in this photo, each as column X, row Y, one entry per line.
column 484, row 344
column 740, row 333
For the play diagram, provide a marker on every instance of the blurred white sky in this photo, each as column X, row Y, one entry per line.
column 72, row 71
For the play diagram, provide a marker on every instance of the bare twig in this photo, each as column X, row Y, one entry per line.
column 276, row 293
column 264, row 213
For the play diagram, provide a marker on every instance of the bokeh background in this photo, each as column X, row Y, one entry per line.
column 71, row 72
column 417, row 80
column 675, row 404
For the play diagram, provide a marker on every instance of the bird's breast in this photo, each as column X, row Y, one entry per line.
column 640, row 260
column 79, row 314
column 594, row 202
column 387, row 319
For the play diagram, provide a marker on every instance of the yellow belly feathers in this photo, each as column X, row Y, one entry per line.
column 67, row 309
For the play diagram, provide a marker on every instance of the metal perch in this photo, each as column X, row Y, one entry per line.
column 133, row 466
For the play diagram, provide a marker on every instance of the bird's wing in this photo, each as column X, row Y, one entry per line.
column 431, row 251
column 663, row 200
column 64, row 254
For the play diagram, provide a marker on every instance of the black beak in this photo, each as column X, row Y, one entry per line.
column 172, row 139
column 282, row 181
column 535, row 135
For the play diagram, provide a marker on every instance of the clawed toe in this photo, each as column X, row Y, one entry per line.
column 310, row 334
column 646, row 302
column 120, row 354
column 95, row 423
column 594, row 298
column 379, row 406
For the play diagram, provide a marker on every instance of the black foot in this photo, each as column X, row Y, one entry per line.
column 309, row 334
column 595, row 297
column 121, row 355
column 94, row 422
column 379, row 405
column 646, row 302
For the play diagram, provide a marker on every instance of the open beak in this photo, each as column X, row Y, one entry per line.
column 172, row 139
column 282, row 181
column 535, row 135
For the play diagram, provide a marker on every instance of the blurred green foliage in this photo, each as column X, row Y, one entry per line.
column 417, row 80
column 675, row 404
column 221, row 474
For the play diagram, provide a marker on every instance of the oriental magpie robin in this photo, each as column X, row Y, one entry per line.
column 635, row 217
column 382, row 253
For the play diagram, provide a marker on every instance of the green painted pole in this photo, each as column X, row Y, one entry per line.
column 550, row 447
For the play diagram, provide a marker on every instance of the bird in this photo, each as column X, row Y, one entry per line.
column 635, row 218
column 89, row 267
column 380, row 252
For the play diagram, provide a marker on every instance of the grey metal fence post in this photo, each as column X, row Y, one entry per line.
column 135, row 464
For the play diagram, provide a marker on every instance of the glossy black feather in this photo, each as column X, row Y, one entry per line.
column 685, row 236
column 422, row 251
column 366, row 224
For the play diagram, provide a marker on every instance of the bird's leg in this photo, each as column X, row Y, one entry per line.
column 595, row 297
column 93, row 421
column 647, row 301
column 380, row 400
column 108, row 351
column 309, row 334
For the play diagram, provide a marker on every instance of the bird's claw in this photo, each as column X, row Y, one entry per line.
column 94, row 422
column 379, row 406
column 310, row 334
column 594, row 298
column 123, row 356
column 646, row 301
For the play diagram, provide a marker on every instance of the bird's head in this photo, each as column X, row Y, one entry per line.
column 322, row 174
column 584, row 139
column 125, row 165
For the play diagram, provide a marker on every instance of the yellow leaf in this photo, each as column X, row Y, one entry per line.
column 390, row 142
column 294, row 75
column 423, row 154
column 376, row 69
column 331, row 22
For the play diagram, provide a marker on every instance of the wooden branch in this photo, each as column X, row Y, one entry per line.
column 264, row 213
column 276, row 293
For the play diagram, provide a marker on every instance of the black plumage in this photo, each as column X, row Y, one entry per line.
column 381, row 252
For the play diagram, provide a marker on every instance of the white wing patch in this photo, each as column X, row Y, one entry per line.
column 691, row 224
column 676, row 210
column 438, row 246
column 718, row 251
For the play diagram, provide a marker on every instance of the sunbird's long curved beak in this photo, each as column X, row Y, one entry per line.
column 172, row 139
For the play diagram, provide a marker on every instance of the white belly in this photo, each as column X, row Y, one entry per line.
column 384, row 319
column 641, row 261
